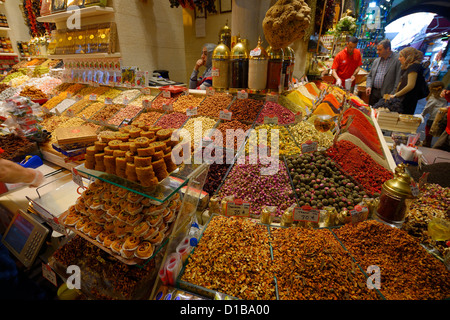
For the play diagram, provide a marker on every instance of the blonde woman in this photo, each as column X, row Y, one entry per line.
column 412, row 86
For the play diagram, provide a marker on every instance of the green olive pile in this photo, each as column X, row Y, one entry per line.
column 319, row 183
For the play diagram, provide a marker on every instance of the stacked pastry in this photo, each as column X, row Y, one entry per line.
column 128, row 224
column 142, row 154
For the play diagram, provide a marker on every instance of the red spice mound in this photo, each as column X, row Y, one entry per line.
column 362, row 128
column 358, row 164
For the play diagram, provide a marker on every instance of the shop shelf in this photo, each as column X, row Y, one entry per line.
column 84, row 56
column 163, row 191
column 84, row 12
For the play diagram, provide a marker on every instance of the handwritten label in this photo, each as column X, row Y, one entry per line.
column 309, row 146
column 166, row 94
column 93, row 97
column 255, row 52
column 146, row 91
column 49, row 274
column 167, row 107
column 272, row 97
column 77, row 178
column 414, row 188
column 359, row 213
column 215, row 72
column 306, row 213
column 270, row 120
column 191, row 111
column 210, row 91
column 146, row 104
column 238, row 208
column 108, row 101
column 242, row 94
column 225, row 114
column 126, row 101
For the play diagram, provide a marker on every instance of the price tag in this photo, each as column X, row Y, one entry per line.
column 215, row 72
column 423, row 179
column 126, row 101
column 359, row 213
column 298, row 117
column 77, row 178
column 270, row 120
column 49, row 274
column 93, row 97
column 70, row 113
column 306, row 213
column 146, row 91
column 108, row 101
column 309, row 146
column 166, row 94
column 191, row 111
column 272, row 97
column 167, row 107
column 78, row 97
column 414, row 188
column 225, row 114
column 255, row 52
column 238, row 208
column 146, row 104
column 206, row 141
column 69, row 95
column 210, row 91
column 242, row 94
column 45, row 110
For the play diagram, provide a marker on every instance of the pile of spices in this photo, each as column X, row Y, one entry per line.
column 246, row 110
column 233, row 257
column 236, row 129
column 305, row 131
column 15, row 147
column 186, row 101
column 212, row 105
column 200, row 123
column 106, row 112
column 259, row 189
column 172, row 120
column 433, row 202
column 159, row 101
column 291, row 105
column 312, row 265
column 407, row 270
column 217, row 171
column 358, row 164
column 362, row 128
column 272, row 109
column 128, row 112
column 149, row 118
column 286, row 143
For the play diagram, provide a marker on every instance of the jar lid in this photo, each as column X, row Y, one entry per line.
column 221, row 51
column 400, row 185
column 239, row 51
column 274, row 53
column 225, row 30
column 259, row 53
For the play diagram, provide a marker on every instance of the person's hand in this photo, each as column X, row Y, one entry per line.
column 199, row 63
column 353, row 78
column 368, row 91
column 38, row 179
column 339, row 82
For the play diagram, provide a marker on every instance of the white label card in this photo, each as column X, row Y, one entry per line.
column 167, row 107
column 77, row 178
column 93, row 97
column 242, row 94
column 146, row 104
column 49, row 274
column 166, row 94
column 309, row 146
column 215, row 72
column 359, row 213
column 306, row 213
column 272, row 97
column 238, row 208
column 225, row 114
column 191, row 111
column 108, row 101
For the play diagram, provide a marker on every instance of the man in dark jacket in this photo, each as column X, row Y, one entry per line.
column 384, row 76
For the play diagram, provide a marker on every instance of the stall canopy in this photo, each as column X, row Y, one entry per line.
column 439, row 24
column 402, row 8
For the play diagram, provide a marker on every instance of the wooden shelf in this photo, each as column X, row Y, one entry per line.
column 84, row 12
column 85, row 56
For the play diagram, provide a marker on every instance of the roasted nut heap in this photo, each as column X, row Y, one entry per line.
column 212, row 105
column 246, row 110
column 408, row 271
column 312, row 265
column 233, row 257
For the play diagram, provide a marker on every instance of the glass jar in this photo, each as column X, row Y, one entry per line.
column 395, row 198
column 257, row 68
column 220, row 66
column 239, row 67
column 288, row 66
column 274, row 69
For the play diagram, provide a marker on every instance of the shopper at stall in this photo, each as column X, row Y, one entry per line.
column 412, row 86
column 434, row 103
column 443, row 143
column 205, row 60
column 346, row 63
column 11, row 172
column 384, row 75
column 426, row 70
